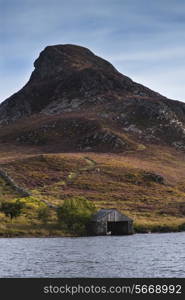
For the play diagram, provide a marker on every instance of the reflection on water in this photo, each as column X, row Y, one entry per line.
column 139, row 255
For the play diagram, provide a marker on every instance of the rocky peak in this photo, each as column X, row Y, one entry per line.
column 61, row 59
column 65, row 74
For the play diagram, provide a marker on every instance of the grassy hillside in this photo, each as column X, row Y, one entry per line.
column 147, row 185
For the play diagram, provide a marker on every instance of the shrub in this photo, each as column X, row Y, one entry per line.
column 12, row 209
column 75, row 213
column 43, row 214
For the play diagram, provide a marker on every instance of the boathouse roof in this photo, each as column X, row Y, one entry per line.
column 105, row 212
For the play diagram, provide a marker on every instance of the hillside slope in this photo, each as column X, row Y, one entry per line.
column 137, row 185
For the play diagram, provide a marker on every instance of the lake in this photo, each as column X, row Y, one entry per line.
column 139, row 255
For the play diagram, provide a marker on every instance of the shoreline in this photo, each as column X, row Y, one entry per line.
column 81, row 236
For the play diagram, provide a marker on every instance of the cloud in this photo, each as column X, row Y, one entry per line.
column 141, row 38
column 170, row 83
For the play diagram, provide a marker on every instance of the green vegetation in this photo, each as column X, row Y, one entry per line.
column 12, row 209
column 75, row 213
column 44, row 214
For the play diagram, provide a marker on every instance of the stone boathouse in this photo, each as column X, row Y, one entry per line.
column 110, row 222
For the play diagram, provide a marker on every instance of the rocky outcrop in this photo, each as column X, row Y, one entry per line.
column 153, row 177
column 103, row 138
column 77, row 133
column 153, row 120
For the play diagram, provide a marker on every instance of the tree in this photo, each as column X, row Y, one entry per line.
column 75, row 213
column 12, row 209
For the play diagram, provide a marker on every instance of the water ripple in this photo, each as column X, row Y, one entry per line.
column 139, row 255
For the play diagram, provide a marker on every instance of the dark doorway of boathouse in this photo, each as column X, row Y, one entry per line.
column 117, row 228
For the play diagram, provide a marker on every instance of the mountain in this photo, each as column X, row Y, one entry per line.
column 81, row 128
column 65, row 78
column 72, row 88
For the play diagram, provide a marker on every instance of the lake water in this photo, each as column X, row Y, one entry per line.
column 139, row 255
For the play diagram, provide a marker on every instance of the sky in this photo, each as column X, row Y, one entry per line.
column 143, row 39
